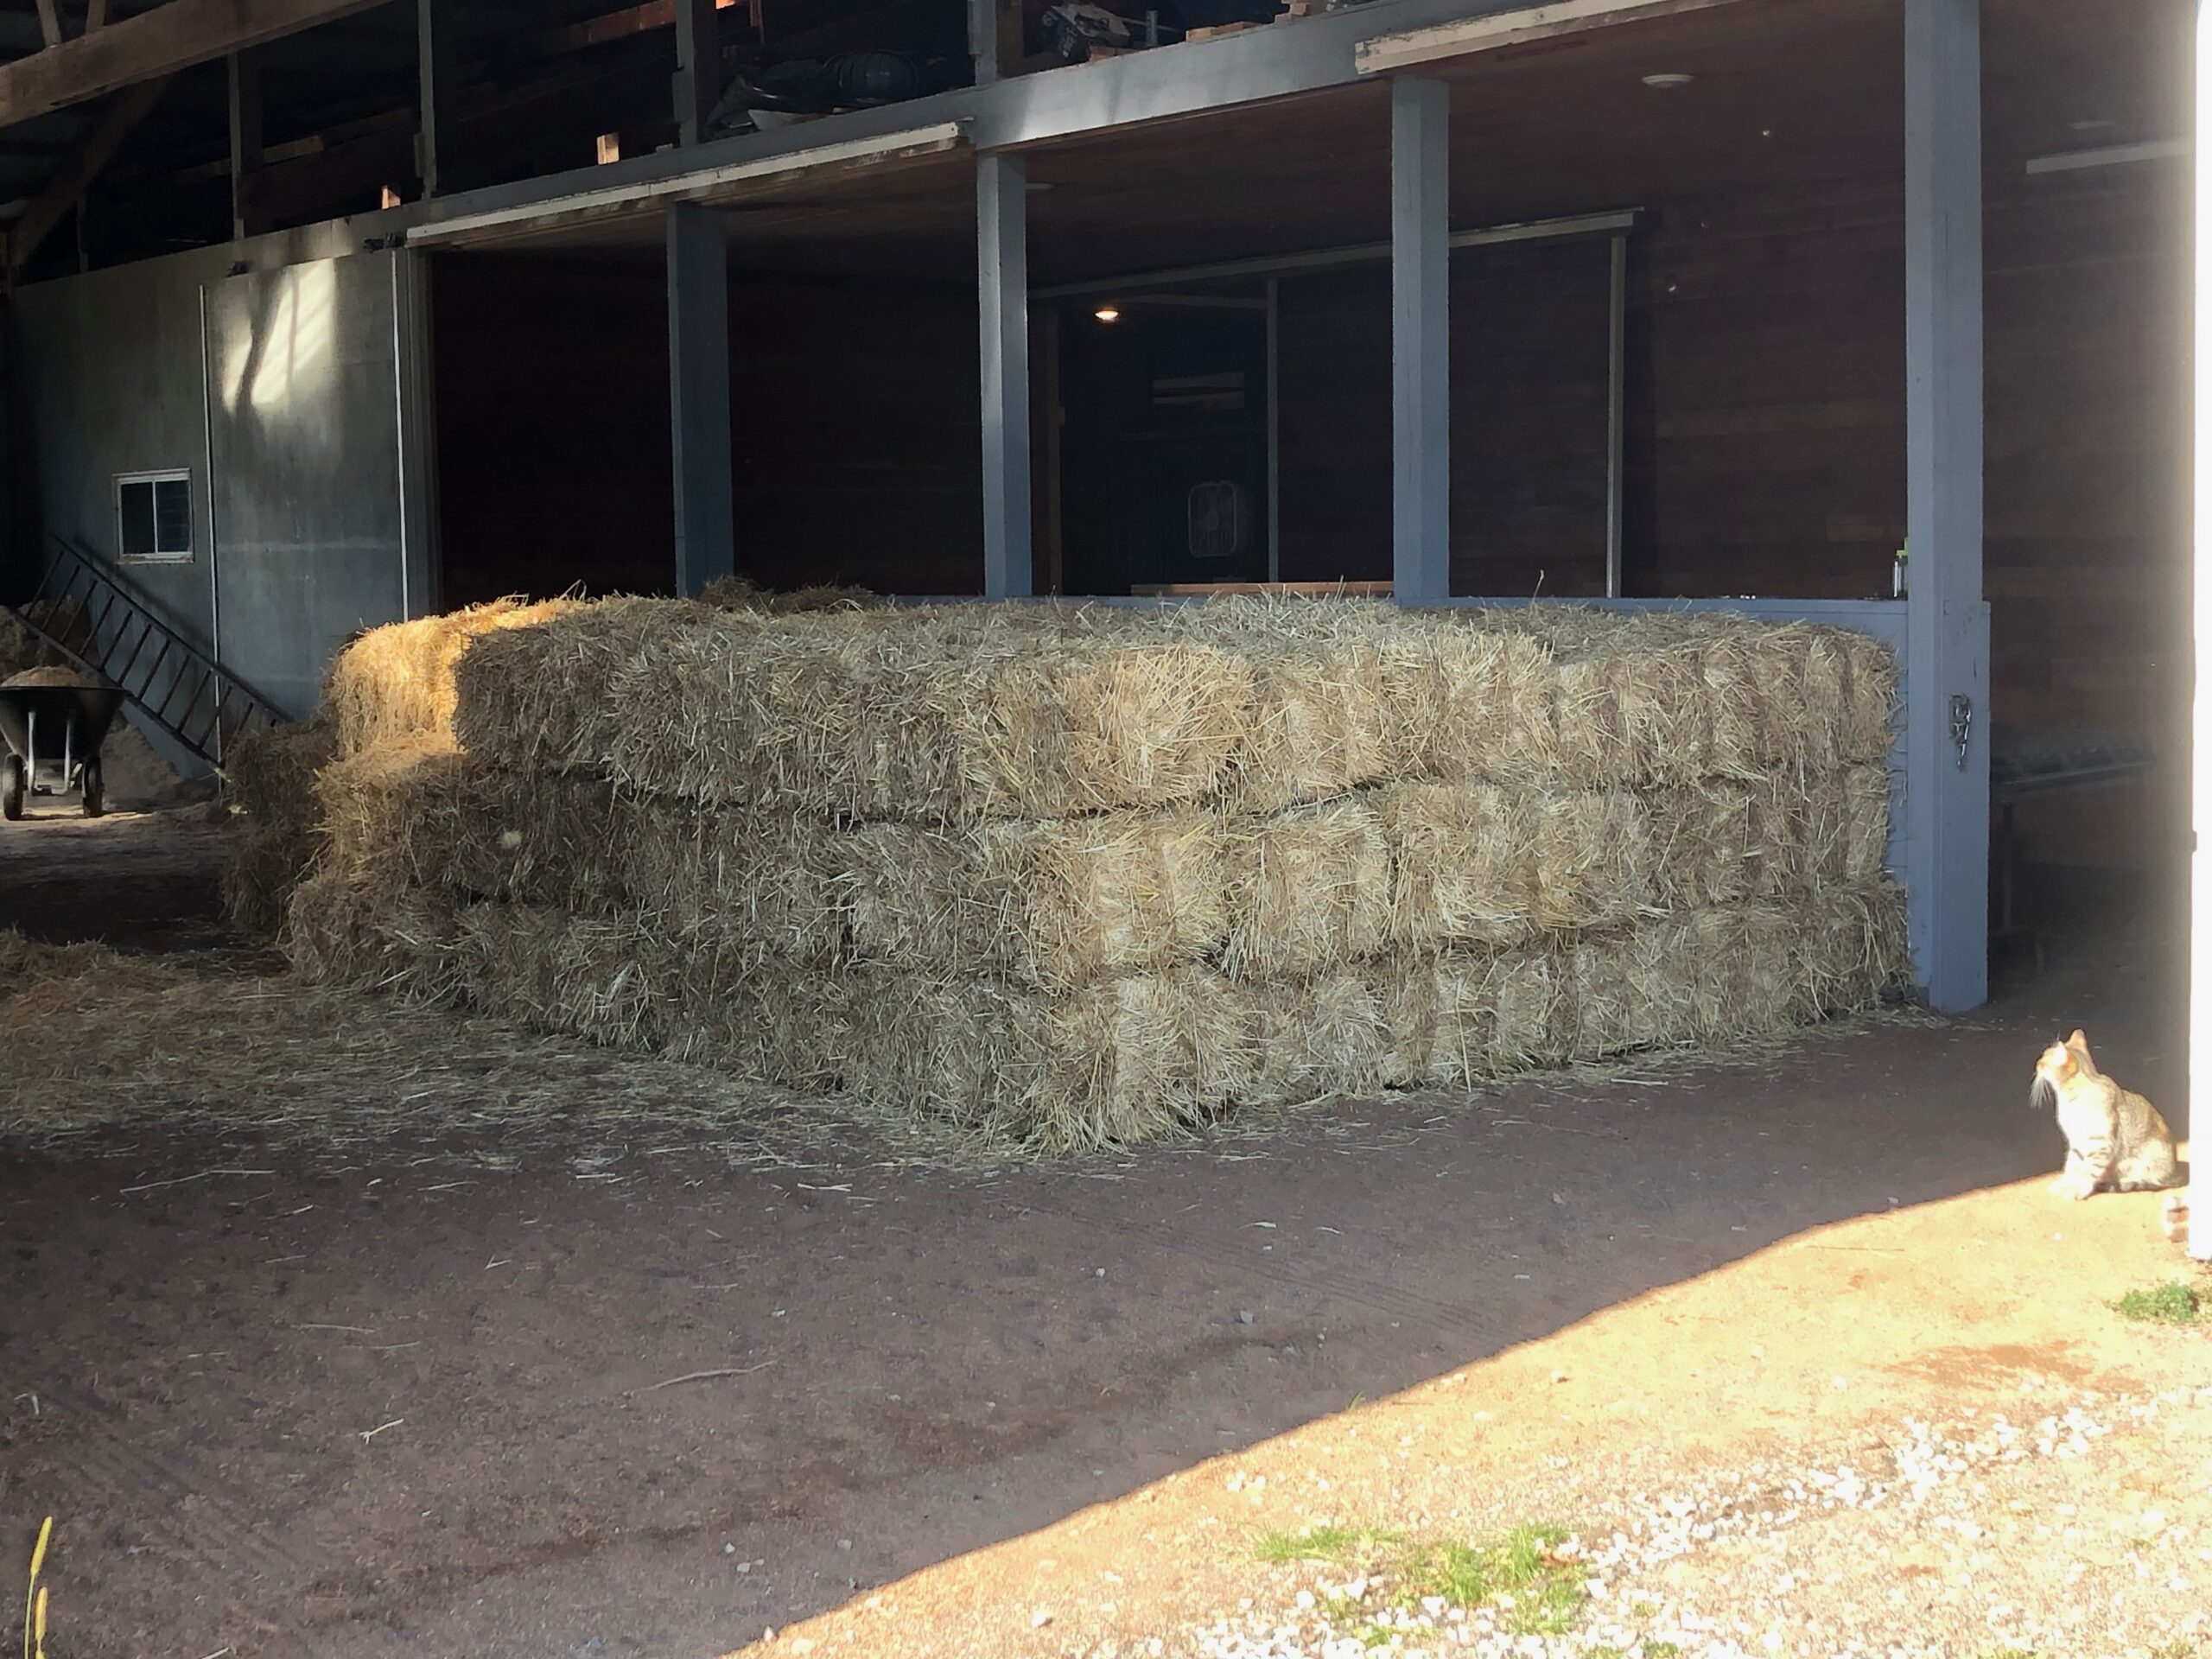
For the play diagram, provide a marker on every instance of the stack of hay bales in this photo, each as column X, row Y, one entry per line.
column 1074, row 876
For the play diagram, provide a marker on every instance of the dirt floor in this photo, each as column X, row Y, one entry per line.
column 394, row 1336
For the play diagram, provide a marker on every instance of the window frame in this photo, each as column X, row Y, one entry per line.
column 154, row 478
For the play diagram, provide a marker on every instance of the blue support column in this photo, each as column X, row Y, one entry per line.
column 1947, row 657
column 1420, row 359
column 1002, row 285
column 698, row 385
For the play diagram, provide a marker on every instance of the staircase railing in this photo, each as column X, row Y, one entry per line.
column 83, row 608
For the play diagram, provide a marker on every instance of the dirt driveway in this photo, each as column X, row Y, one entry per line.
column 389, row 1402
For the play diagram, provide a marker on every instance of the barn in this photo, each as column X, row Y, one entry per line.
column 1062, row 573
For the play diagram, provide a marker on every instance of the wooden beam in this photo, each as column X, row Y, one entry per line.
column 64, row 190
column 155, row 44
column 246, row 154
column 48, row 24
column 95, row 15
column 438, row 102
column 698, row 68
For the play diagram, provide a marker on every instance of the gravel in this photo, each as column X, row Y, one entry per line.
column 1992, row 1534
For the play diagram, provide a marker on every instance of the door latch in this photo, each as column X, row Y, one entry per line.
column 1963, row 726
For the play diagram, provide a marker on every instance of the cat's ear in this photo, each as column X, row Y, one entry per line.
column 2079, row 1039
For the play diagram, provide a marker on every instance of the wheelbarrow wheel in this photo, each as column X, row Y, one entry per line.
column 94, row 787
column 11, row 786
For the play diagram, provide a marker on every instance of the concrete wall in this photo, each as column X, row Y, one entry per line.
column 279, row 389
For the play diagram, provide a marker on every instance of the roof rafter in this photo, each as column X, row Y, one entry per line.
column 128, row 50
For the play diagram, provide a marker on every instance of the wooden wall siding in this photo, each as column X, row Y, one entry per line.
column 859, row 436
column 2086, row 559
column 1332, row 368
column 856, row 431
column 1529, row 379
column 1765, row 430
column 551, row 385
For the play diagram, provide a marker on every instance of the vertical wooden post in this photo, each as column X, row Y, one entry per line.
column 1947, row 657
column 1002, row 287
column 698, row 68
column 1420, row 325
column 437, row 67
column 244, row 79
column 698, row 382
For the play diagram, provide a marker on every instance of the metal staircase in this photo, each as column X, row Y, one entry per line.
column 83, row 608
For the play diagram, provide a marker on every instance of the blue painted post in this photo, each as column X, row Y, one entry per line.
column 698, row 385
column 1002, row 286
column 2199, row 1236
column 1420, row 276
column 1946, row 656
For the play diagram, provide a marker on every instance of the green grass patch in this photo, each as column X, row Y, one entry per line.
column 1661, row 1649
column 2173, row 1303
column 1338, row 1545
column 1547, row 1594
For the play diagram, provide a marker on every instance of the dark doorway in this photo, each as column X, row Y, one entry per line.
column 1164, row 453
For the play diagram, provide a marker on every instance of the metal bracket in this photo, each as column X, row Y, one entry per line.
column 1963, row 726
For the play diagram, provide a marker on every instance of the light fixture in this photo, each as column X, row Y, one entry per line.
column 1108, row 314
column 1667, row 80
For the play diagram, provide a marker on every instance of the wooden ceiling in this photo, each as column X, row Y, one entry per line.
column 1784, row 91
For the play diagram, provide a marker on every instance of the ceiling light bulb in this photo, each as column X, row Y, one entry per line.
column 1108, row 314
column 1667, row 81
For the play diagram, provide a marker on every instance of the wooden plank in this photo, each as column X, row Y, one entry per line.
column 95, row 15
column 159, row 43
column 48, row 24
column 66, row 188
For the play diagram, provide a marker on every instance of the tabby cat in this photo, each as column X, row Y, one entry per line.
column 2114, row 1137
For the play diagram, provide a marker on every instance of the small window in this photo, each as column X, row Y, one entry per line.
column 154, row 515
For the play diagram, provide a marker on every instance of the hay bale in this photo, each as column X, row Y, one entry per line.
column 1046, row 711
column 1113, row 1064
column 1046, row 902
column 1122, row 1059
column 401, row 941
column 1480, row 865
column 952, row 712
column 1309, row 889
column 269, row 777
column 398, row 681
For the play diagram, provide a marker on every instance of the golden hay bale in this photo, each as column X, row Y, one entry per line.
column 1480, row 865
column 402, row 941
column 419, row 811
column 269, row 777
column 1049, row 902
column 1122, row 1059
column 1867, row 816
column 1308, row 889
column 1049, row 710
column 398, row 681
column 604, row 979
column 1338, row 1033
column 1113, row 1064
column 935, row 713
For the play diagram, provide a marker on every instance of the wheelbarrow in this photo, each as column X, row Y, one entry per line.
column 53, row 734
